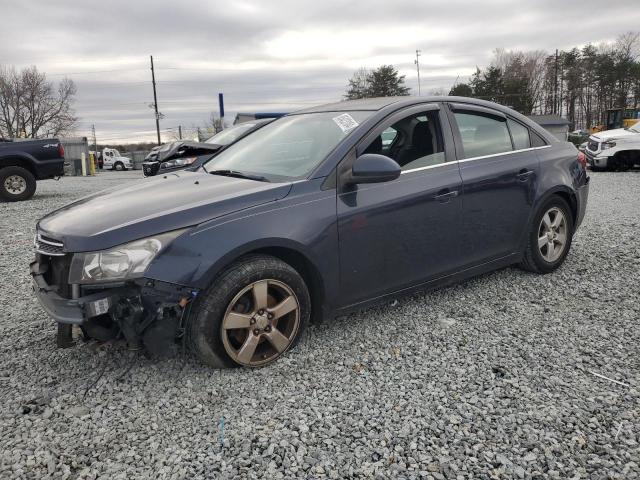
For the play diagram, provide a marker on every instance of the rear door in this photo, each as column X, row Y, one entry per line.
column 396, row 234
column 499, row 172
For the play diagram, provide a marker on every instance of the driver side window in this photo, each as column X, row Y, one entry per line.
column 413, row 142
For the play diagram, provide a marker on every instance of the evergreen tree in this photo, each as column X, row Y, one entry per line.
column 461, row 90
column 381, row 82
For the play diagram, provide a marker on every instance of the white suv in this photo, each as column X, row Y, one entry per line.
column 617, row 149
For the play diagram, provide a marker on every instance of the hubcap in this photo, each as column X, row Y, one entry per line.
column 552, row 234
column 15, row 184
column 260, row 323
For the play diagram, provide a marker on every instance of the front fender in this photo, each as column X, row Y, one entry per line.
column 304, row 222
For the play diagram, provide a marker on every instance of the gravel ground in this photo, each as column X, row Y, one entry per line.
column 493, row 378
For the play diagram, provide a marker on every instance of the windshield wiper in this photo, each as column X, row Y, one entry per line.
column 237, row 174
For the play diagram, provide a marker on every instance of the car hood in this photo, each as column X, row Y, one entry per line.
column 152, row 206
column 613, row 134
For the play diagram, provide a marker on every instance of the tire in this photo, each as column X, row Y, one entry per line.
column 16, row 184
column 538, row 258
column 265, row 334
column 119, row 166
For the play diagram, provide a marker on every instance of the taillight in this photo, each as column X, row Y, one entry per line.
column 60, row 150
column 583, row 160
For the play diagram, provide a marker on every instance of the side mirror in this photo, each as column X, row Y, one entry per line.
column 373, row 168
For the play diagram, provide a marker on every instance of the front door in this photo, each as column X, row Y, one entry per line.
column 396, row 234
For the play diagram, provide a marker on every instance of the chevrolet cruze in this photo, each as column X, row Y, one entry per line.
column 318, row 213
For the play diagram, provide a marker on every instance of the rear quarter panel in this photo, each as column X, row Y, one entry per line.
column 561, row 172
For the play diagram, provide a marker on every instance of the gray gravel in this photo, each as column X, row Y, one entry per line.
column 488, row 379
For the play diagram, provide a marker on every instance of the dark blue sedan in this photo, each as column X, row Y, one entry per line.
column 318, row 213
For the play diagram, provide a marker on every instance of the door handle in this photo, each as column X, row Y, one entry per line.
column 524, row 175
column 445, row 195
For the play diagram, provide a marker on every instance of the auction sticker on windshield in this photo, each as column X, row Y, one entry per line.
column 346, row 122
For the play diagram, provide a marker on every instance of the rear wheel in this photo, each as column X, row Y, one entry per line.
column 16, row 183
column 550, row 237
column 252, row 314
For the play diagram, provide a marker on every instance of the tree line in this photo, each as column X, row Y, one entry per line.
column 580, row 84
column 33, row 107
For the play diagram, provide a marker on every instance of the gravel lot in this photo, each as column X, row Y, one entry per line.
column 489, row 379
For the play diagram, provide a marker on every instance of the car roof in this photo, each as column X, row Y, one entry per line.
column 370, row 104
column 385, row 105
column 380, row 103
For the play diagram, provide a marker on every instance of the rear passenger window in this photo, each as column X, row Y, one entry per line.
column 519, row 134
column 482, row 134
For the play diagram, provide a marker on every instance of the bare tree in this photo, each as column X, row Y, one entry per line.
column 358, row 84
column 32, row 107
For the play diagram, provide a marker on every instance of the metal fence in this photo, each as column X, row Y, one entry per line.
column 74, row 148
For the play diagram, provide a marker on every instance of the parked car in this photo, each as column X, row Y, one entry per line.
column 185, row 154
column 24, row 162
column 617, row 149
column 112, row 159
column 312, row 216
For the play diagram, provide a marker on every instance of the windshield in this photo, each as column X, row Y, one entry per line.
column 230, row 135
column 289, row 147
column 635, row 127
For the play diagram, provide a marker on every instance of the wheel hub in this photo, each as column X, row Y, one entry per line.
column 15, row 184
column 261, row 321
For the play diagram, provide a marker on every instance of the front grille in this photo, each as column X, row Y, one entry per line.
column 48, row 246
column 593, row 146
column 150, row 169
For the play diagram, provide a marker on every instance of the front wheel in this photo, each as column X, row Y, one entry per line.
column 16, row 184
column 119, row 166
column 252, row 314
column 550, row 237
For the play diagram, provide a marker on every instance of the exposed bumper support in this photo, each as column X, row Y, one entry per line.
column 73, row 311
column 146, row 311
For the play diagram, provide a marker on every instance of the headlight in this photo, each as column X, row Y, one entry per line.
column 178, row 162
column 607, row 145
column 116, row 264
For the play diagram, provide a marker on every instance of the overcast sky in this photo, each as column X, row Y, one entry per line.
column 276, row 55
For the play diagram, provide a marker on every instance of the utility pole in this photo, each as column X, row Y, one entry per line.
column 180, row 132
column 417, row 62
column 155, row 100
column 555, row 86
column 95, row 142
column 221, row 109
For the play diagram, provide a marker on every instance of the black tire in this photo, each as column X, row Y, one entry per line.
column 119, row 166
column 7, row 193
column 203, row 332
column 533, row 259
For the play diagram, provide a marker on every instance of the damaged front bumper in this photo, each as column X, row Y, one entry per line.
column 73, row 311
column 144, row 311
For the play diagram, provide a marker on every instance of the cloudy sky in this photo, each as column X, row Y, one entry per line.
column 278, row 55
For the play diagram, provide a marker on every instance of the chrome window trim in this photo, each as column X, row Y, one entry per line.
column 511, row 152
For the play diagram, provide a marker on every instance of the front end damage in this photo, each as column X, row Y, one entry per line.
column 146, row 313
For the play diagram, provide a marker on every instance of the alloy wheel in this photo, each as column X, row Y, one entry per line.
column 15, row 184
column 552, row 234
column 260, row 323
